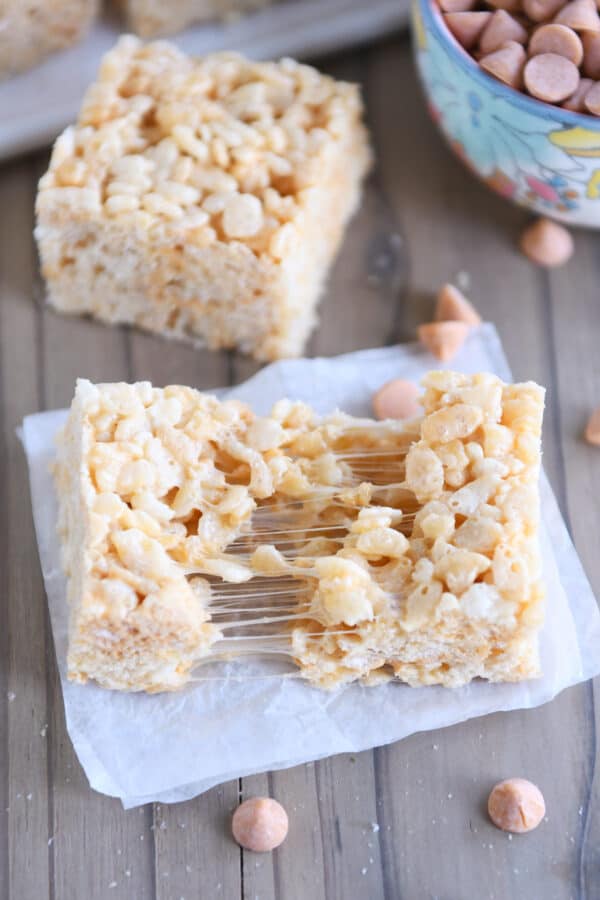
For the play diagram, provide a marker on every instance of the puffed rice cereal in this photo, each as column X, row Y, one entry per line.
column 404, row 549
column 202, row 199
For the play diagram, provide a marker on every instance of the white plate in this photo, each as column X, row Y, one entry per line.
column 36, row 106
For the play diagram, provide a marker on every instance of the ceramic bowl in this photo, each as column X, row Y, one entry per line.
column 540, row 156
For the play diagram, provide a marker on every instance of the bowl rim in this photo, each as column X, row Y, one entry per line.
column 433, row 15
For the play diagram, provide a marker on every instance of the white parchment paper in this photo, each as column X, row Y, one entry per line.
column 170, row 747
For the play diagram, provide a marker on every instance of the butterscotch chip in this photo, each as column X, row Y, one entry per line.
column 592, row 429
column 451, row 6
column 467, row 27
column 443, row 339
column 260, row 824
column 580, row 15
column 547, row 243
column 516, row 805
column 506, row 64
column 397, row 399
column 541, row 10
column 576, row 101
column 592, row 99
column 501, row 28
column 591, row 54
column 557, row 39
column 551, row 77
column 453, row 306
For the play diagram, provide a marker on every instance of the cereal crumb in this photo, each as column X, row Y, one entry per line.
column 112, row 885
column 50, row 841
column 11, row 696
column 44, row 730
column 363, row 871
column 375, row 826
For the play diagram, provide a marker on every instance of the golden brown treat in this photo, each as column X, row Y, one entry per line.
column 260, row 824
column 154, row 18
column 516, row 805
column 391, row 549
column 31, row 31
column 202, row 199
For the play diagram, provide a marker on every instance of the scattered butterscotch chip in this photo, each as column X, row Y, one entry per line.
column 557, row 39
column 397, row 399
column 547, row 243
column 541, row 10
column 591, row 54
column 467, row 27
column 516, row 805
column 580, row 15
column 551, row 77
column 592, row 429
column 453, row 306
column 502, row 27
column 576, row 102
column 443, row 339
column 592, row 99
column 506, row 64
column 259, row 824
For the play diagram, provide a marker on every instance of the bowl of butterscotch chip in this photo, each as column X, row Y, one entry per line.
column 514, row 86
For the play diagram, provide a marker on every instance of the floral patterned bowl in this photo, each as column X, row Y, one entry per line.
column 538, row 155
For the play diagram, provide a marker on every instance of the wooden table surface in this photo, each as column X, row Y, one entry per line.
column 61, row 841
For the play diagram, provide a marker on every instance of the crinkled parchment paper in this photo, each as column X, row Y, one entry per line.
column 170, row 747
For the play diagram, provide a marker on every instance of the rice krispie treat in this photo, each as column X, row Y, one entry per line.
column 193, row 529
column 202, row 198
column 31, row 31
column 151, row 18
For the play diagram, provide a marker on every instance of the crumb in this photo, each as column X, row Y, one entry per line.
column 375, row 826
column 463, row 279
column 44, row 730
column 50, row 841
column 10, row 696
column 363, row 871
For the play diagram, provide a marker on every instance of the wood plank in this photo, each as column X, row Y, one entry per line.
column 25, row 867
column 194, row 855
column 572, row 294
column 433, row 786
column 97, row 849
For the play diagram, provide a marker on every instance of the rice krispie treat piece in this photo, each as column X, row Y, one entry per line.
column 450, row 590
column 364, row 550
column 31, row 31
column 151, row 18
column 202, row 198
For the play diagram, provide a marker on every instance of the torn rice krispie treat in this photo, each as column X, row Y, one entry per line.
column 202, row 198
column 153, row 18
column 193, row 530
column 31, row 31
